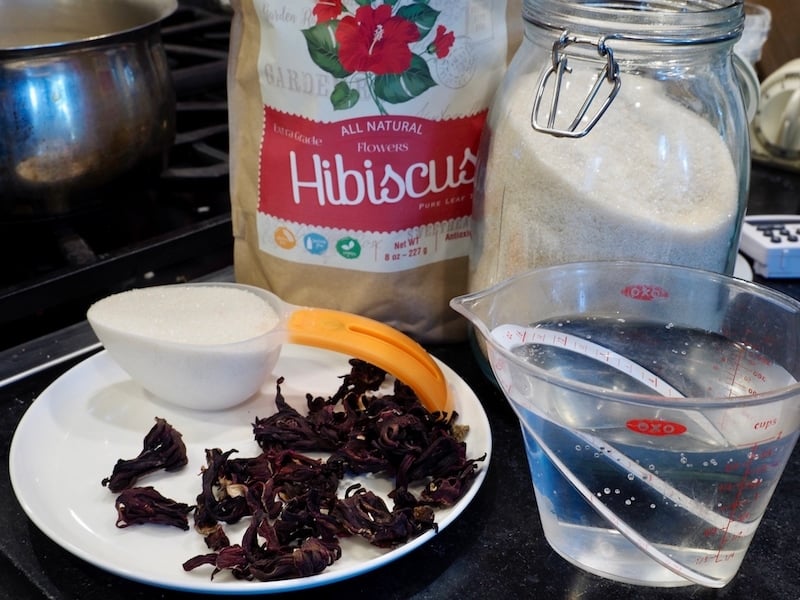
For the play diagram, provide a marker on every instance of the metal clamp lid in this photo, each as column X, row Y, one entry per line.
column 609, row 75
column 727, row 27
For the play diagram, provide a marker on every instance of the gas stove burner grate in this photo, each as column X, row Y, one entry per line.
column 200, row 151
column 196, row 42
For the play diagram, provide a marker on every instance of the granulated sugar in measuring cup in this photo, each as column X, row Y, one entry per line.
column 659, row 406
column 211, row 346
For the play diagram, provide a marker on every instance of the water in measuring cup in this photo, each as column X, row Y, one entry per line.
column 695, row 499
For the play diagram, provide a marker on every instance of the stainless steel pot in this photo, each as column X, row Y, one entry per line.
column 85, row 97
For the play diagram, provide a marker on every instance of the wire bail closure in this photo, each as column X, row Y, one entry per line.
column 609, row 74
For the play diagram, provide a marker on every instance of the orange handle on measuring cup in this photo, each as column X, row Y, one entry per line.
column 376, row 343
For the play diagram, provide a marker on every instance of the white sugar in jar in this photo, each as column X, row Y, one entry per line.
column 619, row 133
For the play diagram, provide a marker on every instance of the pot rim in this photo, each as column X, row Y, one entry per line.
column 161, row 9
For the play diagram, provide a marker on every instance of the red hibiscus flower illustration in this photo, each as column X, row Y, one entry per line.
column 442, row 42
column 375, row 41
column 386, row 48
column 327, row 10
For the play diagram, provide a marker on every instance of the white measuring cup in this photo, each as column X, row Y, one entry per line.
column 217, row 375
column 658, row 404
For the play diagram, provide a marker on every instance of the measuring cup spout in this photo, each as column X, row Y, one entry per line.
column 475, row 308
column 376, row 343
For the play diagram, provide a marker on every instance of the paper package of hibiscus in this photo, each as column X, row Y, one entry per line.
column 354, row 134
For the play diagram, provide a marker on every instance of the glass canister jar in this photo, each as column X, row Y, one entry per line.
column 619, row 132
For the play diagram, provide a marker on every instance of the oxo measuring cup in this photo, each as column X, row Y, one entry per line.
column 658, row 404
column 217, row 375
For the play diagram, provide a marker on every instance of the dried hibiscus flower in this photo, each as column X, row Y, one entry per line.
column 287, row 428
column 296, row 516
column 365, row 514
column 163, row 448
column 264, row 562
column 140, row 505
column 222, row 499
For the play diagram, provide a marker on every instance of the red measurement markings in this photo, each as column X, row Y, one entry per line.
column 718, row 558
column 744, row 496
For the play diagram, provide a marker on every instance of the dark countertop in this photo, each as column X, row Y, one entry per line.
column 494, row 549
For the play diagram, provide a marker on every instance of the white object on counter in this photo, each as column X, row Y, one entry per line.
column 201, row 346
column 773, row 242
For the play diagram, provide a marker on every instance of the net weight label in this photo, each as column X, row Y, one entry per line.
column 406, row 249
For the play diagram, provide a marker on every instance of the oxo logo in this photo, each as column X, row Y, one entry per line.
column 641, row 291
column 655, row 427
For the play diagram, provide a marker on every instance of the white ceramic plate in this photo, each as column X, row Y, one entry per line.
column 71, row 436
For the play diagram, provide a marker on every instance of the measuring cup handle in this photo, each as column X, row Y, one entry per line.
column 376, row 343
